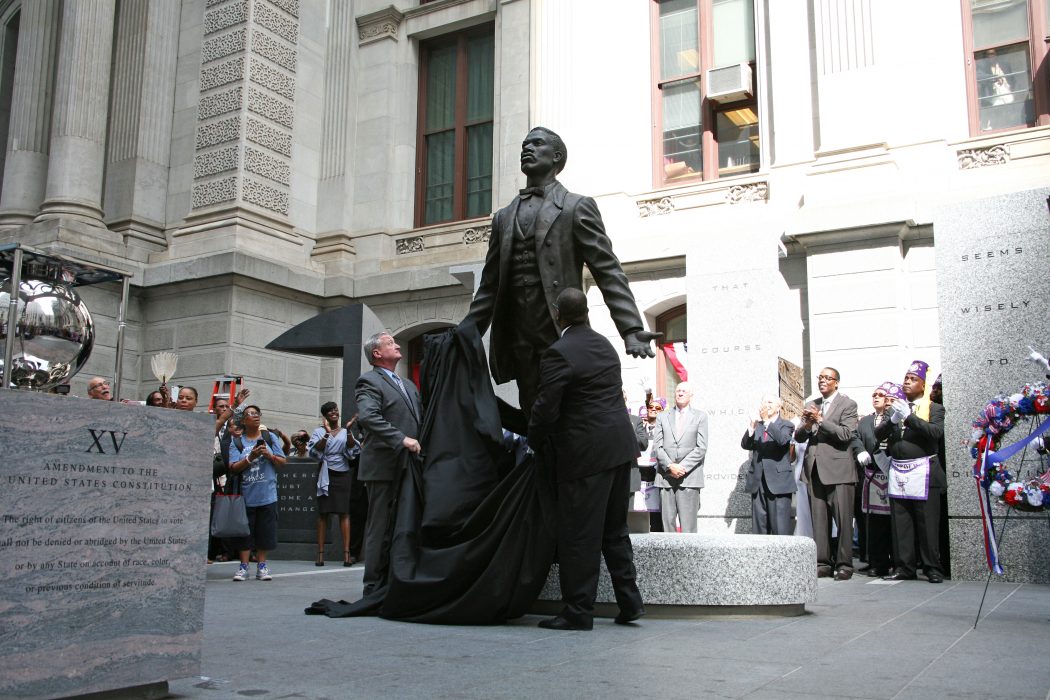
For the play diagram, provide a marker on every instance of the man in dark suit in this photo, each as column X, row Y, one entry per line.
column 916, row 479
column 538, row 247
column 680, row 444
column 580, row 430
column 390, row 415
column 827, row 426
column 874, row 461
column 770, row 478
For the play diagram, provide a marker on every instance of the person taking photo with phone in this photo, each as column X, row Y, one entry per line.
column 255, row 457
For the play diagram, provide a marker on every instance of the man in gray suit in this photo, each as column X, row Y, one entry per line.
column 827, row 426
column 770, row 478
column 389, row 415
column 538, row 247
column 680, row 444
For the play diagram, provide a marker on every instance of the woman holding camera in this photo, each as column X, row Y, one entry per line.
column 337, row 449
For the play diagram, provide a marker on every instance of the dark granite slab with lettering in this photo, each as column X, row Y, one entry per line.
column 103, row 538
column 994, row 296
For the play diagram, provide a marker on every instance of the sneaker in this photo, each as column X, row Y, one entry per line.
column 262, row 573
column 242, row 573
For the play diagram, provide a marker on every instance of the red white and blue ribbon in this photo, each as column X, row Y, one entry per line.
column 991, row 548
column 677, row 355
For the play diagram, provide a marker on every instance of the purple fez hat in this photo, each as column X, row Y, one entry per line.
column 886, row 388
column 919, row 369
column 937, row 381
column 894, row 391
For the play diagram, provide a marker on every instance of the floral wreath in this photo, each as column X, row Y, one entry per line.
column 998, row 418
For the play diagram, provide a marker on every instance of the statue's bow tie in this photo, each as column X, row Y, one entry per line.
column 529, row 191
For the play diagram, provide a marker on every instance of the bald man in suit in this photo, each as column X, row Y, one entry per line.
column 680, row 444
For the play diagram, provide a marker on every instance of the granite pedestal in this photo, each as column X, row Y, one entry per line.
column 701, row 575
column 103, row 538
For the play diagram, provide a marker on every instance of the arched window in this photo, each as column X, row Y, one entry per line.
column 414, row 356
column 671, row 358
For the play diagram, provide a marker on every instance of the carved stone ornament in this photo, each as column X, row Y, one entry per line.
column 376, row 26
column 970, row 158
column 655, row 207
column 409, row 245
column 751, row 192
column 478, row 234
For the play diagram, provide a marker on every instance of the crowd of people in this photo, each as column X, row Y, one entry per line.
column 870, row 487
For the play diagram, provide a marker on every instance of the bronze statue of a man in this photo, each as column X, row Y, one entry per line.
column 538, row 247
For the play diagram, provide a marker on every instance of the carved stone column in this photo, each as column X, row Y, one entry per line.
column 140, row 126
column 25, row 169
column 78, row 126
column 243, row 148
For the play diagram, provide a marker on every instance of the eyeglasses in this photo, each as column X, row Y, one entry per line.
column 92, row 387
column 827, row 377
column 251, row 414
column 878, row 395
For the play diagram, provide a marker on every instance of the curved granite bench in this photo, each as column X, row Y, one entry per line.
column 704, row 575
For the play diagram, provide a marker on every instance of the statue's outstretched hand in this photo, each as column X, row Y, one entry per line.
column 638, row 343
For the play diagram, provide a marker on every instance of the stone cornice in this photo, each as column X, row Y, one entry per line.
column 379, row 25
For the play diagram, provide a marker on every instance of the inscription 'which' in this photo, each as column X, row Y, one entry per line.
column 96, row 440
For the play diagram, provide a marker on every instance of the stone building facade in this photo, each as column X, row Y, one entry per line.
column 771, row 173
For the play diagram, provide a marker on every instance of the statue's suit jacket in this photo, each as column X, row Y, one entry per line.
column 829, row 445
column 386, row 417
column 688, row 449
column 569, row 234
column 770, row 457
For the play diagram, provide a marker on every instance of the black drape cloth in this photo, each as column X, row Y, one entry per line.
column 473, row 535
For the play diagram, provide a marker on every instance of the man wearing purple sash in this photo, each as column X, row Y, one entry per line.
column 916, row 476
column 874, row 462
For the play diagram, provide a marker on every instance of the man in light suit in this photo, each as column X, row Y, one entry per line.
column 827, row 428
column 580, row 429
column 389, row 415
column 770, row 479
column 680, row 443
column 538, row 247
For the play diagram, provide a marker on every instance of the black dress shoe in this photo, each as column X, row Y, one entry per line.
column 864, row 569
column 899, row 577
column 629, row 617
column 843, row 575
column 935, row 577
column 824, row 572
column 876, row 573
column 560, row 623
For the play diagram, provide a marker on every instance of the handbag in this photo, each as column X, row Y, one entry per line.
column 229, row 518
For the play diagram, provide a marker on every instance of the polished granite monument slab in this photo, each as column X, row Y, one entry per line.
column 994, row 297
column 103, row 538
column 701, row 574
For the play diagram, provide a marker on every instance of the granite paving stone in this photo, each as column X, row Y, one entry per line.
column 258, row 643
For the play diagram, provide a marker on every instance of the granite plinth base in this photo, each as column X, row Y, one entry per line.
column 699, row 575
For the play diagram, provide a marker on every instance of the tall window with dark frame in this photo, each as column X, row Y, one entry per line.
column 1006, row 45
column 706, row 115
column 454, row 169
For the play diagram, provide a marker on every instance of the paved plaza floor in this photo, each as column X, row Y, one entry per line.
column 860, row 639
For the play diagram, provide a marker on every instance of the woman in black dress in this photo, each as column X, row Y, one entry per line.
column 337, row 449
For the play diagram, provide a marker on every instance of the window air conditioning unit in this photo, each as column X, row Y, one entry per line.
column 729, row 84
